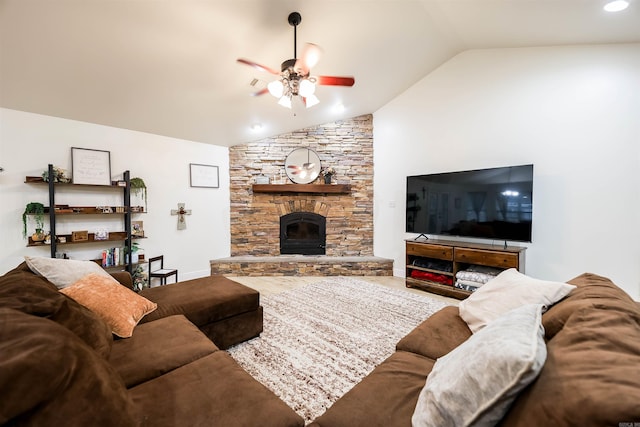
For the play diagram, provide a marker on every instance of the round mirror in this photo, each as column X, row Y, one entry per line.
column 302, row 165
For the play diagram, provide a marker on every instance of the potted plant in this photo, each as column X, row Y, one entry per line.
column 327, row 173
column 138, row 187
column 37, row 210
column 59, row 175
column 135, row 247
column 139, row 278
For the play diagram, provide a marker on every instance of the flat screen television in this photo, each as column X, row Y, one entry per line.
column 494, row 203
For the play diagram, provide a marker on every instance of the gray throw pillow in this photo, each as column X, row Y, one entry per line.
column 475, row 384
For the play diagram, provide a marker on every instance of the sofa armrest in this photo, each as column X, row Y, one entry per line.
column 124, row 278
column 437, row 335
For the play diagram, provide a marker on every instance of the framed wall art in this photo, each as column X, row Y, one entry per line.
column 90, row 166
column 205, row 176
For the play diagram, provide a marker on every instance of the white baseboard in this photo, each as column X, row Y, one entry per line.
column 399, row 272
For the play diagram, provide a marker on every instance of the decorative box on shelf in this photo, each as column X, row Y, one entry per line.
column 80, row 236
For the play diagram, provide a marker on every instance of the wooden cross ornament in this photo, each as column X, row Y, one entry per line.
column 181, row 212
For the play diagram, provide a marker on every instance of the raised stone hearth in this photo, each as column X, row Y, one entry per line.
column 303, row 265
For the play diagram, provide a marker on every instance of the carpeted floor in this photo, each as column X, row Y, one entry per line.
column 322, row 339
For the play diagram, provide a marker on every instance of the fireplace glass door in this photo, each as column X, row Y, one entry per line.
column 303, row 233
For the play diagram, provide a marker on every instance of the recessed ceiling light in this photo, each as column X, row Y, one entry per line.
column 616, row 5
column 256, row 127
column 338, row 108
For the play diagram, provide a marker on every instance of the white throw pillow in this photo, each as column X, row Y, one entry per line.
column 510, row 289
column 475, row 384
column 63, row 272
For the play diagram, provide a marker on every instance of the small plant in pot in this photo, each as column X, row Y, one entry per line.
column 138, row 187
column 327, row 173
column 135, row 247
column 139, row 278
column 37, row 210
column 59, row 175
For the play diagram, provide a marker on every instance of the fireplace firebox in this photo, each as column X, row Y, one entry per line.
column 303, row 233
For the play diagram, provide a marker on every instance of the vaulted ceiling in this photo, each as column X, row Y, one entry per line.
column 169, row 67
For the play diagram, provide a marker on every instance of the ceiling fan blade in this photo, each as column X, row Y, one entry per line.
column 258, row 66
column 309, row 57
column 335, row 81
column 260, row 92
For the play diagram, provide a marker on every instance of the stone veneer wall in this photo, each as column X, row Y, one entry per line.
column 345, row 145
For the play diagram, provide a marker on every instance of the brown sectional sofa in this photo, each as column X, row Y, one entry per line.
column 591, row 376
column 60, row 364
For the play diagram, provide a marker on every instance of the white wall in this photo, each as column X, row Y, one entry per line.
column 571, row 111
column 29, row 142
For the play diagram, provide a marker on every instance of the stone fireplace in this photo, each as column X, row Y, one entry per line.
column 347, row 147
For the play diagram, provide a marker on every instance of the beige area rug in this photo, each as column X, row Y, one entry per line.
column 322, row 339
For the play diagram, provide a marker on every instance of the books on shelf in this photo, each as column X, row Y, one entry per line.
column 113, row 257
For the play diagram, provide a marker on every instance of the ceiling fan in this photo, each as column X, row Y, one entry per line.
column 295, row 75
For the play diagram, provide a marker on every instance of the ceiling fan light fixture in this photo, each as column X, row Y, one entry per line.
column 616, row 5
column 276, row 88
column 311, row 100
column 307, row 88
column 285, row 101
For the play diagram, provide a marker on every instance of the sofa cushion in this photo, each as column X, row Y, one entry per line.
column 202, row 301
column 385, row 398
column 49, row 375
column 437, row 335
column 592, row 373
column 475, row 383
column 213, row 390
column 510, row 289
column 120, row 307
column 590, row 289
column 22, row 290
column 63, row 272
column 158, row 347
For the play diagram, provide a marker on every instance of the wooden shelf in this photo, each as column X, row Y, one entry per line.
column 429, row 270
column 114, row 236
column 89, row 210
column 302, row 188
column 119, row 267
column 437, row 288
column 39, row 180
